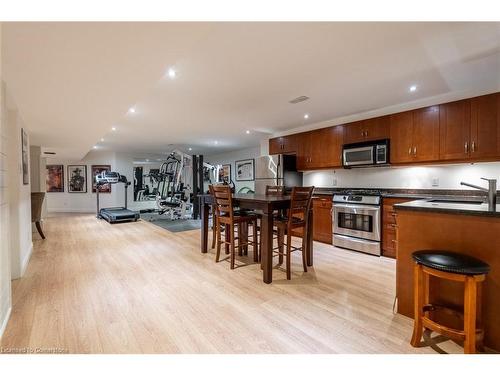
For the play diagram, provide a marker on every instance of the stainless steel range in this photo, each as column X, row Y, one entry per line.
column 356, row 220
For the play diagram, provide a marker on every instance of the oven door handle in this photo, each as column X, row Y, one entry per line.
column 357, row 207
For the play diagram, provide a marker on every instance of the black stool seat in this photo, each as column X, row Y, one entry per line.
column 449, row 261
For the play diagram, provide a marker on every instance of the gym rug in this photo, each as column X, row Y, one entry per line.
column 173, row 225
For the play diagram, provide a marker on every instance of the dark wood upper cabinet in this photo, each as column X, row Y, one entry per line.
column 320, row 148
column 283, row 145
column 401, row 136
column 485, row 126
column 354, row 132
column 377, row 128
column 426, row 134
column 367, row 130
column 464, row 130
column 454, row 130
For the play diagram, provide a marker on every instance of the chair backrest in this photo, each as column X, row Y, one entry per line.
column 275, row 190
column 223, row 200
column 300, row 203
column 36, row 206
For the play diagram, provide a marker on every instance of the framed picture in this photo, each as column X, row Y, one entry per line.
column 55, row 178
column 24, row 157
column 225, row 173
column 245, row 170
column 96, row 169
column 77, row 178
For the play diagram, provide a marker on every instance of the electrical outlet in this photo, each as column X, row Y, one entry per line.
column 334, row 182
column 435, row 181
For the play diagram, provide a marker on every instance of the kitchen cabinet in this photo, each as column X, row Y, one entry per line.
column 283, row 145
column 426, row 134
column 485, row 127
column 320, row 148
column 322, row 219
column 367, row 130
column 389, row 225
column 401, row 130
column 455, row 130
column 414, row 135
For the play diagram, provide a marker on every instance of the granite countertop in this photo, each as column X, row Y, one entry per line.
column 411, row 193
column 476, row 209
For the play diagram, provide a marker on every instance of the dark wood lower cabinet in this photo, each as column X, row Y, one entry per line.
column 389, row 225
column 322, row 217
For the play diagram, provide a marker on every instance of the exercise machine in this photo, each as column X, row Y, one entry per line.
column 113, row 214
column 173, row 197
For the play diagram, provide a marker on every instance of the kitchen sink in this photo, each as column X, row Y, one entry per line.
column 455, row 201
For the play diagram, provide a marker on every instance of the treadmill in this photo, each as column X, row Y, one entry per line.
column 114, row 214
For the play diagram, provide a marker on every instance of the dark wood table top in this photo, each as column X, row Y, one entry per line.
column 256, row 197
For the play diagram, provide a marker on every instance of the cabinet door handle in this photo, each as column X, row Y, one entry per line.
column 466, row 147
column 394, row 214
column 473, row 146
column 409, row 151
column 394, row 241
column 415, row 151
column 394, row 225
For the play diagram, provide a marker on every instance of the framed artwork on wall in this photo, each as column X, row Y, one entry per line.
column 225, row 173
column 77, row 178
column 55, row 178
column 245, row 170
column 24, row 157
column 96, row 169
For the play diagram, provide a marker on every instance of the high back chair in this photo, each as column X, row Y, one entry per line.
column 297, row 217
column 226, row 215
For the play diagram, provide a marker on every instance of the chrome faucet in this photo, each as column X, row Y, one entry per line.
column 492, row 191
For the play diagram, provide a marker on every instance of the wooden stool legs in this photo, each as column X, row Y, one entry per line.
column 418, row 285
column 470, row 294
column 471, row 313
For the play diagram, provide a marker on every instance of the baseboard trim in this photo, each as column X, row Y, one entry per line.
column 5, row 321
column 26, row 260
column 71, row 210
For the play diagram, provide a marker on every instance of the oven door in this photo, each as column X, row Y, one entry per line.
column 359, row 221
column 358, row 156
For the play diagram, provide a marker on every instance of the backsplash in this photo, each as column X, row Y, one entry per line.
column 411, row 177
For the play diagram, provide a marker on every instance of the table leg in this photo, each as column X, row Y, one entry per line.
column 266, row 231
column 309, row 239
column 204, row 227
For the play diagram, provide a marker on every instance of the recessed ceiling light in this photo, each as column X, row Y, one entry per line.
column 248, row 132
column 95, row 147
column 413, row 88
column 306, row 116
column 216, row 142
column 171, row 73
column 132, row 110
column 190, row 149
column 113, row 128
column 102, row 139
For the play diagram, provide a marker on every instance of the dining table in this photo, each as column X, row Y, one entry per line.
column 267, row 205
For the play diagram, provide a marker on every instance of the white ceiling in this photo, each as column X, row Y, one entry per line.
column 73, row 81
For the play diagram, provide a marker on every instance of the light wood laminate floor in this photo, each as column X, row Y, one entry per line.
column 92, row 287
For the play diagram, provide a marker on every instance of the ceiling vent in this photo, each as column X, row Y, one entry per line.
column 299, row 99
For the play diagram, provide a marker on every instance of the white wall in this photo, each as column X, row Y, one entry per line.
column 5, row 284
column 82, row 202
column 230, row 158
column 414, row 177
column 86, row 202
column 21, row 244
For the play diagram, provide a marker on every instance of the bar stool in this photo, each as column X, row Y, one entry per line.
column 231, row 219
column 455, row 267
column 297, row 217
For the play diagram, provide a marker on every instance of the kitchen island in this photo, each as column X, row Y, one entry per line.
column 468, row 228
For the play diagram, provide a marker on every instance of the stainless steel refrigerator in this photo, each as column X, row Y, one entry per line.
column 276, row 170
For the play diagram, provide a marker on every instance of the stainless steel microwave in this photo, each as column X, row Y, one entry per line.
column 365, row 154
